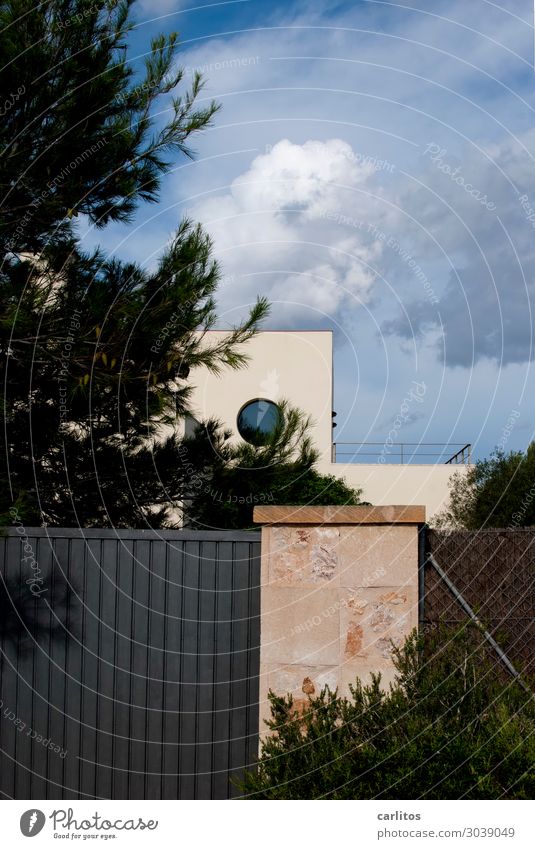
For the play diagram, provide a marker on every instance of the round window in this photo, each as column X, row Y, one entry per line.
column 257, row 420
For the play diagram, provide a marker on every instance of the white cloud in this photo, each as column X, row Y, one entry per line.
column 295, row 224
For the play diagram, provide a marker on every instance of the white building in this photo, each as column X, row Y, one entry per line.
column 298, row 366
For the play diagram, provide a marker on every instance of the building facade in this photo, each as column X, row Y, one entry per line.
column 298, row 366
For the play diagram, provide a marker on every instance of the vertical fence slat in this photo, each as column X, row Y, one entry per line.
column 223, row 671
column 107, row 666
column 173, row 671
column 23, row 669
column 140, row 684
column 123, row 676
column 188, row 690
column 12, row 635
column 73, row 666
column 58, row 599
column 205, row 670
column 90, row 668
column 156, row 670
column 40, row 659
column 240, row 633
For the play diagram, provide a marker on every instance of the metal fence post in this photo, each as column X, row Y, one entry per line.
column 421, row 574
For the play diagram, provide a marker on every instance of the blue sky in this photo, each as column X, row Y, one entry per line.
column 372, row 171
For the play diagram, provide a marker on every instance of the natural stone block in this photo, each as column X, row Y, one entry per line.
column 300, row 681
column 370, row 618
column 303, row 556
column 362, row 669
column 300, row 625
column 378, row 556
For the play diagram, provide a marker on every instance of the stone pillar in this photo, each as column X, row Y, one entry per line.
column 338, row 584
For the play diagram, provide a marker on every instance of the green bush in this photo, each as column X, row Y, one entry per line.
column 498, row 492
column 451, row 726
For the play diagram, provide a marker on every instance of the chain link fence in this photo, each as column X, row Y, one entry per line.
column 494, row 570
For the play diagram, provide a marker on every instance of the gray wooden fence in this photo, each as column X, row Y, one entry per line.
column 129, row 663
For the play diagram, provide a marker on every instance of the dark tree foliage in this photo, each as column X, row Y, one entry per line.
column 498, row 492
column 95, row 352
column 77, row 132
column 93, row 382
column 242, row 476
column 452, row 726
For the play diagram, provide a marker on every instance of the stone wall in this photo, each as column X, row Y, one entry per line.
column 338, row 584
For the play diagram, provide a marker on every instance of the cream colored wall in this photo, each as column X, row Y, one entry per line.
column 396, row 484
column 296, row 366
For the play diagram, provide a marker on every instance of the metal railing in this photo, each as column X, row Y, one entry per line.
column 402, row 452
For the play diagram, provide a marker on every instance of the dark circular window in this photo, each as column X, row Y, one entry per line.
column 257, row 420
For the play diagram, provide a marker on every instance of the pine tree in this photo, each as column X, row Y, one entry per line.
column 241, row 476
column 95, row 352
column 78, row 133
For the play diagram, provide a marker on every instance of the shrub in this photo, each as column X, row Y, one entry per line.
column 450, row 727
column 498, row 492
